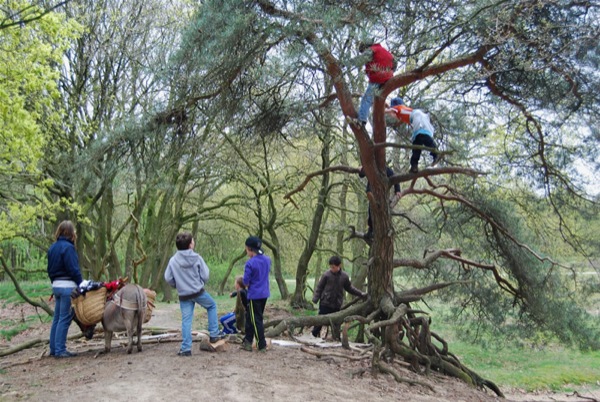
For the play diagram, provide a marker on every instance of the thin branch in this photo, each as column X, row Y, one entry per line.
column 310, row 176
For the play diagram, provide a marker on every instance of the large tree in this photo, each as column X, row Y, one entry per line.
column 529, row 63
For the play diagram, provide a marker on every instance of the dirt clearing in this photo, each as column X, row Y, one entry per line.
column 284, row 373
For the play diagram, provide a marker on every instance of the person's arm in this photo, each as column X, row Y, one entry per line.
column 169, row 278
column 351, row 289
column 319, row 289
column 203, row 270
column 244, row 297
column 247, row 274
column 389, row 172
column 71, row 261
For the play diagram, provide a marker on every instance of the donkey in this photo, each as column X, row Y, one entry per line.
column 125, row 312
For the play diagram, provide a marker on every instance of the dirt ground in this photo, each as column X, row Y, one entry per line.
column 284, row 373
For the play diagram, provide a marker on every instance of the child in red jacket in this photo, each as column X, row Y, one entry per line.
column 379, row 69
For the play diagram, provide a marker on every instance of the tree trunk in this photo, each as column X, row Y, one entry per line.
column 298, row 300
column 381, row 256
column 277, row 271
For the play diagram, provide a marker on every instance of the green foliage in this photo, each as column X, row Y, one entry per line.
column 32, row 289
column 545, row 301
column 29, row 60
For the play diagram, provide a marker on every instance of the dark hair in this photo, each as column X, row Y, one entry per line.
column 335, row 260
column 397, row 101
column 254, row 243
column 66, row 229
column 365, row 44
column 183, row 240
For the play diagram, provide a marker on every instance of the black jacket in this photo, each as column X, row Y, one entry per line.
column 330, row 290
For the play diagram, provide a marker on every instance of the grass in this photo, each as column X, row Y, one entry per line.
column 13, row 330
column 523, row 366
column 554, row 367
column 8, row 295
column 33, row 290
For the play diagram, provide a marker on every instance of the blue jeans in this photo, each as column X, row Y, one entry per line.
column 187, row 316
column 367, row 101
column 63, row 315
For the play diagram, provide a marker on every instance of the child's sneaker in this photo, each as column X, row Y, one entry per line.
column 184, row 353
column 220, row 335
column 247, row 346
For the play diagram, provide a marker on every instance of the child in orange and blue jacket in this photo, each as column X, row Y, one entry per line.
column 422, row 129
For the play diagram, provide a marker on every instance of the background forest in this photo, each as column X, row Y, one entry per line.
column 139, row 119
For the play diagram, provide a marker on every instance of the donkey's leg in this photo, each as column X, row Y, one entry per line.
column 130, row 316
column 140, row 321
column 107, row 340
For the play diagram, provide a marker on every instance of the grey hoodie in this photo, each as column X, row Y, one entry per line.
column 187, row 272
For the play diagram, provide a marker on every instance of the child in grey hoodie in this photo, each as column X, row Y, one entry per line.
column 188, row 273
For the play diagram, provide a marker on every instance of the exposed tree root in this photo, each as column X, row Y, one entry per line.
column 587, row 398
column 319, row 353
column 385, row 368
column 394, row 329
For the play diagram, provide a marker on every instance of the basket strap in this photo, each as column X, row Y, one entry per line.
column 124, row 304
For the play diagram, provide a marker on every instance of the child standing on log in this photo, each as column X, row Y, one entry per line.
column 188, row 273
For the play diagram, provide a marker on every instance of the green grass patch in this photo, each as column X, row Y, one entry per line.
column 33, row 290
column 555, row 368
column 9, row 333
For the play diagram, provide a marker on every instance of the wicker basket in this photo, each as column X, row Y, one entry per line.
column 90, row 306
column 151, row 296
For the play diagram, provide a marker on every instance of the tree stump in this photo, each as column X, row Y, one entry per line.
column 219, row 346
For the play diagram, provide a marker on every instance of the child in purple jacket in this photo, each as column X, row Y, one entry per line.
column 256, row 280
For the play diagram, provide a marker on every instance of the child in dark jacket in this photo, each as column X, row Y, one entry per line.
column 330, row 291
